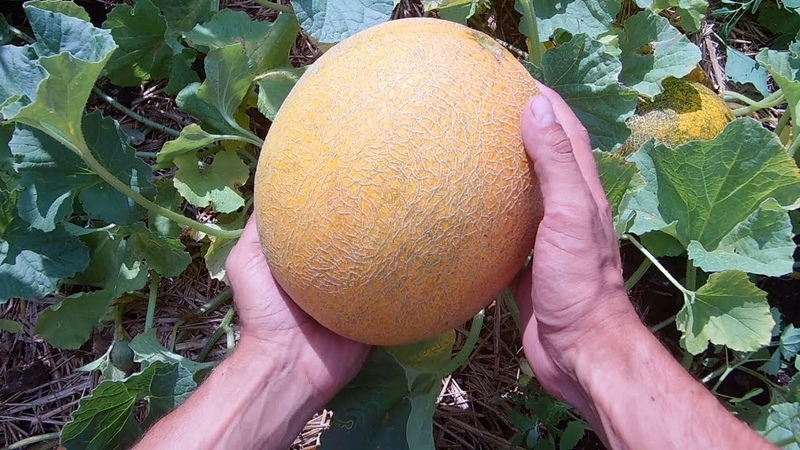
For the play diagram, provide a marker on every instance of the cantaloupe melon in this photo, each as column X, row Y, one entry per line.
column 685, row 111
column 394, row 198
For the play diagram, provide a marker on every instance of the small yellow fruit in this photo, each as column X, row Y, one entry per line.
column 684, row 112
column 393, row 194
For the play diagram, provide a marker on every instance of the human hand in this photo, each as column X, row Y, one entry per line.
column 574, row 297
column 274, row 327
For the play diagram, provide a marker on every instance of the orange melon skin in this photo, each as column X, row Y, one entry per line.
column 394, row 198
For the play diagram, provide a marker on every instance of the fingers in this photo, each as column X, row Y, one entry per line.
column 561, row 179
column 581, row 143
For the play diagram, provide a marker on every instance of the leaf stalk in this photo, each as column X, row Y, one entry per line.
column 658, row 265
column 774, row 99
column 135, row 116
column 275, row 6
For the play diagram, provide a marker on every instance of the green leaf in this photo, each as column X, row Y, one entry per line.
column 52, row 175
column 165, row 255
column 785, row 68
column 653, row 50
column 761, row 243
column 215, row 184
column 148, row 351
column 20, row 76
column 273, row 88
column 105, row 419
column 591, row 17
column 166, row 197
column 790, row 342
column 229, row 74
column 728, row 310
column 621, row 180
column 67, row 8
column 743, row 69
column 390, row 403
column 184, row 15
column 691, row 12
column 192, row 138
column 73, row 53
column 266, row 44
column 459, row 11
column 33, row 262
column 11, row 326
column 6, row 35
column 572, row 434
column 218, row 250
column 711, row 192
column 586, row 77
column 782, row 425
column 332, row 21
column 70, row 322
column 143, row 54
column 115, row 265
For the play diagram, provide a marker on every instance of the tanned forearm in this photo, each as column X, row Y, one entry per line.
column 637, row 396
column 247, row 402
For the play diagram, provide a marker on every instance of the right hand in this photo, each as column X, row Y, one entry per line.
column 574, row 297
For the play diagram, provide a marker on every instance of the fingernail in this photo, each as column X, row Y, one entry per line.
column 542, row 110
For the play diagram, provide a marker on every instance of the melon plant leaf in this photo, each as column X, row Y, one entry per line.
column 762, row 243
column 192, row 138
column 6, row 35
column 459, row 11
column 70, row 322
column 273, row 88
column 728, row 310
column 32, row 262
column 166, row 197
column 332, row 21
column 148, row 350
column 67, row 8
column 743, row 69
column 267, row 44
column 691, row 12
column 143, row 54
column 652, row 50
column 105, row 418
column 710, row 192
column 586, row 77
column 52, row 175
column 165, row 255
column 782, row 425
column 390, row 403
column 621, row 180
column 20, row 75
column 115, row 266
column 218, row 250
column 216, row 184
column 229, row 74
column 11, row 326
column 784, row 66
column 184, row 15
column 590, row 17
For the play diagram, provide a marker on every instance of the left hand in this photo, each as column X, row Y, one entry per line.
column 274, row 327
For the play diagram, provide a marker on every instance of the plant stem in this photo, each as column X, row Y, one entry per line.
column 226, row 321
column 33, row 440
column 795, row 142
column 147, row 154
column 662, row 324
column 691, row 275
column 135, row 116
column 636, row 276
column 782, row 123
column 210, row 306
column 465, row 352
column 82, row 150
column 774, row 99
column 152, row 300
column 24, row 36
column 535, row 47
column 517, row 51
column 660, row 267
column 275, row 6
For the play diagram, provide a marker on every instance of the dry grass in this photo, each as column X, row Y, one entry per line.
column 39, row 384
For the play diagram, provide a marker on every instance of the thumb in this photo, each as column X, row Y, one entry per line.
column 547, row 144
